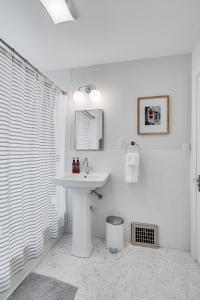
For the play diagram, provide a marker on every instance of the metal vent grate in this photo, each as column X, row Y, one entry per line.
column 146, row 235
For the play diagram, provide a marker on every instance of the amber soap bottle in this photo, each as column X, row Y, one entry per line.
column 73, row 166
column 77, row 166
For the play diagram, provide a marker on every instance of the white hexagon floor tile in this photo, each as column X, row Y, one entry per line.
column 135, row 273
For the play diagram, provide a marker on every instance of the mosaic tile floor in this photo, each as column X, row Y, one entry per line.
column 134, row 274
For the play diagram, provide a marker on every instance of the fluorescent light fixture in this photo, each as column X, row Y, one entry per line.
column 59, row 10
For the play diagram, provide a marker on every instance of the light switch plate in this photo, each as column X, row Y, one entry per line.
column 186, row 148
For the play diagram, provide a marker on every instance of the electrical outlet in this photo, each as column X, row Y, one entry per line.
column 122, row 143
column 186, row 148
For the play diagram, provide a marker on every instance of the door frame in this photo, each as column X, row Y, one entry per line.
column 195, row 242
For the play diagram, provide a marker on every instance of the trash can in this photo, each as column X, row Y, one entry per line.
column 115, row 233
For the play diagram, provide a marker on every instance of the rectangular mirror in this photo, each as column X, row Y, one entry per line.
column 89, row 129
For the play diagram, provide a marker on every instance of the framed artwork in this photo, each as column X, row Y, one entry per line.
column 153, row 115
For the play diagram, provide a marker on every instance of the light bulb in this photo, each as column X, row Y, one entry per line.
column 79, row 96
column 95, row 95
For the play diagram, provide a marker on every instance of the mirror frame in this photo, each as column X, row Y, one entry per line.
column 101, row 142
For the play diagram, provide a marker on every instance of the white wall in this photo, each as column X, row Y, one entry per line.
column 196, row 59
column 162, row 194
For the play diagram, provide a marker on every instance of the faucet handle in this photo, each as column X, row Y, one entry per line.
column 85, row 160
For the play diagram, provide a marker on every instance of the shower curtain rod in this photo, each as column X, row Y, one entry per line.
column 30, row 65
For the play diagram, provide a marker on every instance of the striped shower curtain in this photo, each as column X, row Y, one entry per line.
column 28, row 159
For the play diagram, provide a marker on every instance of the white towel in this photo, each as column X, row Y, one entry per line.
column 132, row 167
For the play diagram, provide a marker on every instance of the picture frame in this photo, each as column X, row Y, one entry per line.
column 153, row 115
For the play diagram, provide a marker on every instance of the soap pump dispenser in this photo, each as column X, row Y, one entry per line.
column 77, row 166
column 73, row 165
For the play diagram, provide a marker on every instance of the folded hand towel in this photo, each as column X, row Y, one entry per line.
column 132, row 159
column 132, row 167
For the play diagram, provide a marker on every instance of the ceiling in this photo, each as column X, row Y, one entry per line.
column 106, row 31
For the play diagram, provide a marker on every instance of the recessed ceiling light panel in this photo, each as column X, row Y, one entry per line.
column 59, row 10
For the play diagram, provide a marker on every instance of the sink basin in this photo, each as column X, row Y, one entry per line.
column 79, row 186
column 82, row 180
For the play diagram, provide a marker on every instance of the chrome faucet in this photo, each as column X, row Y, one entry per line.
column 86, row 166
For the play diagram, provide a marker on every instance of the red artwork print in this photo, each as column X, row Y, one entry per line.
column 152, row 115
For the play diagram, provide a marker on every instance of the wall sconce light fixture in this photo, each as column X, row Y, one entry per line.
column 94, row 94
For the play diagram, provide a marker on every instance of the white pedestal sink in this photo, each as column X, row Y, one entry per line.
column 80, row 186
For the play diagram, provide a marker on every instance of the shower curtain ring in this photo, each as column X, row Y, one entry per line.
column 13, row 53
column 26, row 63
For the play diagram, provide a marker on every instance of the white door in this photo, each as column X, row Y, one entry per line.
column 197, row 179
column 195, row 204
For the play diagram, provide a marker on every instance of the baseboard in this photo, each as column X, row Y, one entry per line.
column 17, row 279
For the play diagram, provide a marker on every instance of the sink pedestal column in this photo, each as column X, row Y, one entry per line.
column 81, row 240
